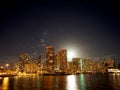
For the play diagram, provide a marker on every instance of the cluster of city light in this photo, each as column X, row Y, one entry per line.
column 5, row 70
column 66, row 62
column 5, row 66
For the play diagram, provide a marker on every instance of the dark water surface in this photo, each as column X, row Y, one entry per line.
column 68, row 82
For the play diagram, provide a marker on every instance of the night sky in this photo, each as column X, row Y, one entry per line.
column 91, row 29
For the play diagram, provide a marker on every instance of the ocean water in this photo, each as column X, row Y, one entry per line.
column 66, row 82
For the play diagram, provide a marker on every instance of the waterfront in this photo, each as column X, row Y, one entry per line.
column 67, row 82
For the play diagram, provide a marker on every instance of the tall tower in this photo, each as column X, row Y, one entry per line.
column 50, row 58
column 62, row 60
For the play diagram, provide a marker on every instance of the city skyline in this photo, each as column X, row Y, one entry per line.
column 89, row 29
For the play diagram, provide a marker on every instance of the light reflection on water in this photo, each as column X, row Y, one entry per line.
column 82, row 82
column 72, row 83
column 5, row 83
column 68, row 82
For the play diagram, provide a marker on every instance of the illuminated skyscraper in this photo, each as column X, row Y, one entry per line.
column 76, row 64
column 24, row 60
column 50, row 58
column 62, row 59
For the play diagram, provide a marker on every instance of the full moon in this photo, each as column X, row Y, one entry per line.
column 72, row 51
column 70, row 55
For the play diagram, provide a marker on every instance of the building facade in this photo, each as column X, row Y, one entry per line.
column 61, row 60
column 50, row 57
